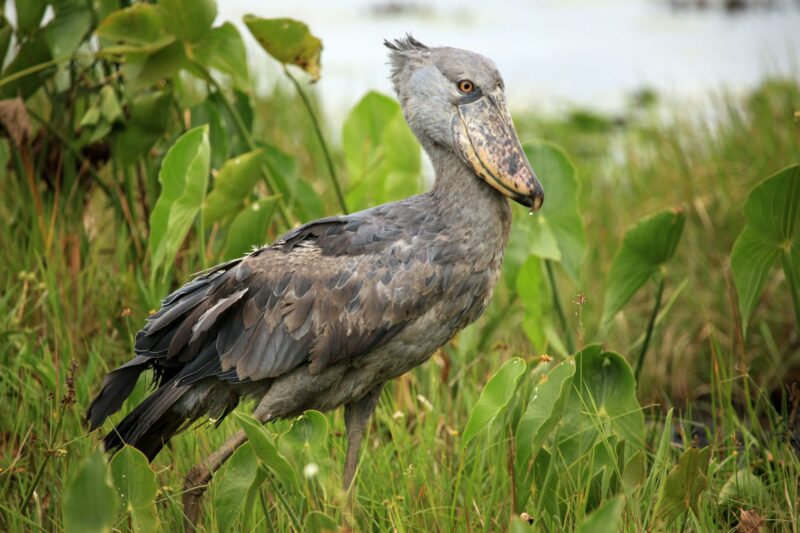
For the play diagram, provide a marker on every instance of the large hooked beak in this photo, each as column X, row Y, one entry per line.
column 487, row 142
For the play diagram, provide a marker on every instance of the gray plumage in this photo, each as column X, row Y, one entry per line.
column 335, row 308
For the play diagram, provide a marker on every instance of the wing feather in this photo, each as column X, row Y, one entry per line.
column 328, row 291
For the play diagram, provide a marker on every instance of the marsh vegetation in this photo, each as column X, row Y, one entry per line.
column 633, row 372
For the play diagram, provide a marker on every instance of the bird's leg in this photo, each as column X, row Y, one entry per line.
column 196, row 481
column 356, row 416
column 197, row 478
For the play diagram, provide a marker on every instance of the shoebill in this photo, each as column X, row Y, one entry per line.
column 333, row 309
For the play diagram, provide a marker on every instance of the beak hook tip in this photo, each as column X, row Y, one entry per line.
column 538, row 200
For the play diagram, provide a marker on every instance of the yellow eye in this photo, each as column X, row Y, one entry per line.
column 466, row 86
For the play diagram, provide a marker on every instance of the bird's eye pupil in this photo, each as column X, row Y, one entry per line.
column 466, row 86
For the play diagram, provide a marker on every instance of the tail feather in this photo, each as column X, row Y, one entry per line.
column 173, row 344
column 152, row 423
column 117, row 386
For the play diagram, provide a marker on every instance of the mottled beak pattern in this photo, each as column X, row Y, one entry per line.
column 486, row 140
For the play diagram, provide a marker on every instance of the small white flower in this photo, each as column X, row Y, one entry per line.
column 425, row 402
column 310, row 470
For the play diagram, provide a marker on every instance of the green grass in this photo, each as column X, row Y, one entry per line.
column 82, row 297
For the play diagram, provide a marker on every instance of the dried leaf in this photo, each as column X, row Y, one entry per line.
column 287, row 40
column 749, row 522
column 14, row 119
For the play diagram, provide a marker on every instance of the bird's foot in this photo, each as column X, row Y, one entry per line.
column 194, row 485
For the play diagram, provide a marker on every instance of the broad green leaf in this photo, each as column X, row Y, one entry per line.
column 89, row 503
column 557, row 229
column 494, row 398
column 223, row 49
column 148, row 122
column 261, row 475
column 601, row 402
column 635, row 471
column 189, row 20
column 32, row 53
column 249, row 228
column 605, row 519
column 772, row 211
column 645, row 249
column 751, row 261
column 68, row 28
column 140, row 24
column 516, row 253
column 110, row 109
column 151, row 52
column 135, row 483
column 533, row 291
column 100, row 117
column 142, row 71
column 191, row 92
column 266, row 452
column 135, row 54
column 29, row 14
column 308, row 433
column 209, row 112
column 184, row 179
column 233, row 186
column 744, row 488
column 382, row 156
column 287, row 40
column 541, row 240
column 305, row 445
column 103, row 8
column 683, row 486
column 544, row 410
column 319, row 522
column 91, row 117
column 232, row 484
column 298, row 195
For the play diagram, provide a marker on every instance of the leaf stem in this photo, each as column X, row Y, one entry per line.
column 201, row 239
column 24, row 73
column 562, row 317
column 246, row 135
column 650, row 326
column 328, row 159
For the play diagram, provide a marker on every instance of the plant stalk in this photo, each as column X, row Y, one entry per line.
column 246, row 135
column 328, row 159
column 650, row 326
column 40, row 471
column 289, row 511
column 35, row 69
column 562, row 317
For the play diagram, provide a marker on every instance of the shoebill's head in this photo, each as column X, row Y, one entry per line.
column 454, row 99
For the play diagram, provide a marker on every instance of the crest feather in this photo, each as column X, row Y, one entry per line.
column 405, row 44
column 404, row 52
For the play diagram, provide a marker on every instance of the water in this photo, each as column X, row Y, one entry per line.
column 552, row 53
